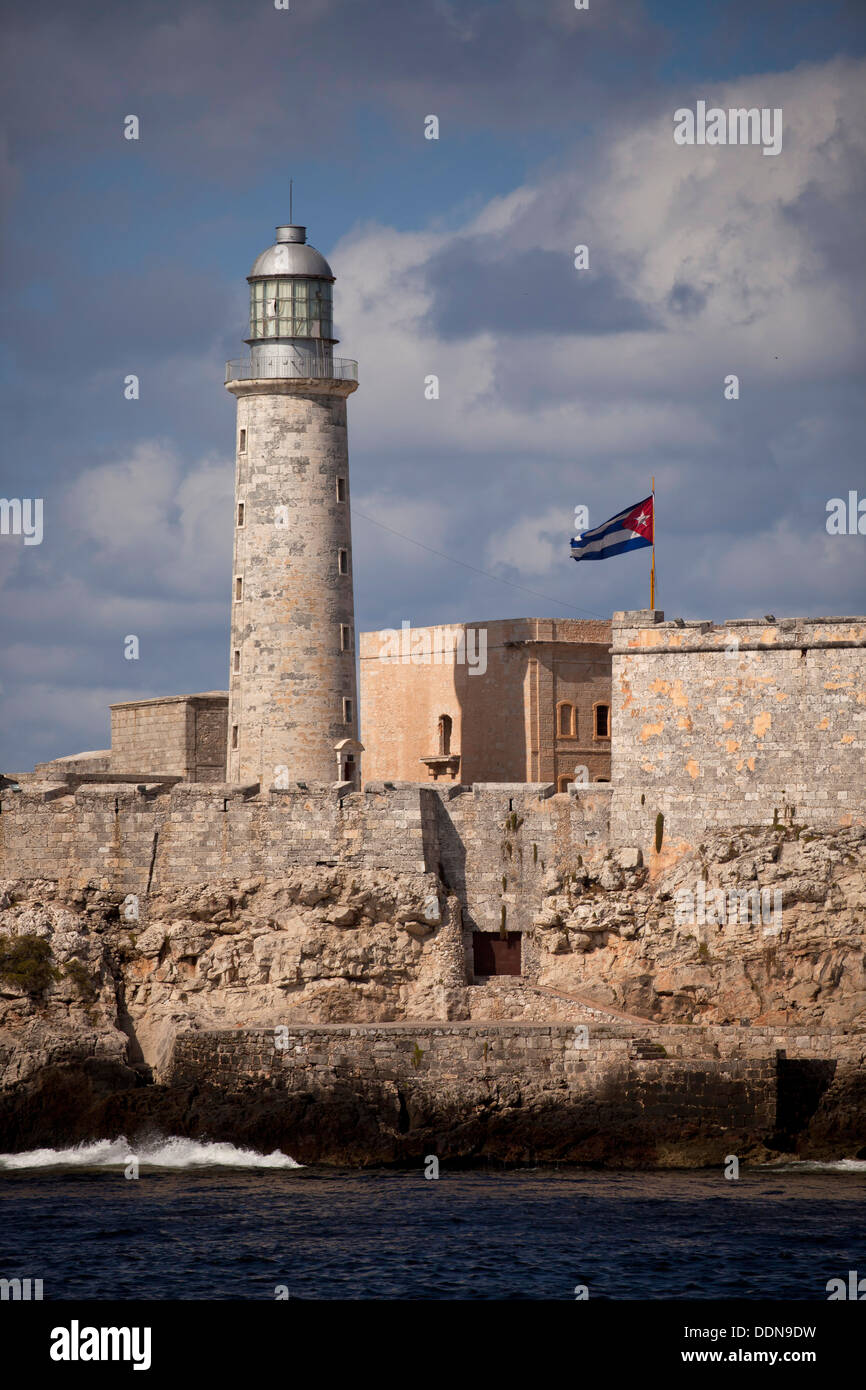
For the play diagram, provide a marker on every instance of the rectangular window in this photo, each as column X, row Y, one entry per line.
column 343, row 561
column 345, row 637
column 347, row 710
column 243, row 443
column 240, row 513
column 341, row 489
column 239, row 589
column 234, row 735
column 237, row 660
column 602, row 721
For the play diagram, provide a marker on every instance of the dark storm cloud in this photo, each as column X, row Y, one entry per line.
column 686, row 299
column 229, row 86
column 88, row 324
column 476, row 289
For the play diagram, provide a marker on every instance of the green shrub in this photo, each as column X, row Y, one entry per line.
column 84, row 982
column 25, row 962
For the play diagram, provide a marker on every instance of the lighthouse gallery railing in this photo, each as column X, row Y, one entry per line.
column 332, row 368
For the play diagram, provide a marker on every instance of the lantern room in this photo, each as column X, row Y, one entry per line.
column 291, row 306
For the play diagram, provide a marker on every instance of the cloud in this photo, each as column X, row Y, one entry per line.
column 154, row 526
column 511, row 65
column 533, row 545
column 554, row 390
column 527, row 292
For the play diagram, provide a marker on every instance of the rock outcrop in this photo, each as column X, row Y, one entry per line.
column 613, row 940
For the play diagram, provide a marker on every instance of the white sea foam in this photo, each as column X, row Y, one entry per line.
column 808, row 1165
column 153, row 1153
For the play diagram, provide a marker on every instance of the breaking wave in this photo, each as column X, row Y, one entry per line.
column 808, row 1165
column 151, row 1153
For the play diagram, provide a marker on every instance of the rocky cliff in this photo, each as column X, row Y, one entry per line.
column 96, row 985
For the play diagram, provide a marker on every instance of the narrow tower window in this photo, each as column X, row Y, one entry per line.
column 234, row 735
column 602, row 721
column 347, row 710
column 343, row 561
column 341, row 489
column 239, row 589
column 237, row 660
column 240, row 513
column 345, row 637
column 243, row 442
column 445, row 735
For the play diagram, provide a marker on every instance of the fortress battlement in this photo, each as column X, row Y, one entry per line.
column 754, row 723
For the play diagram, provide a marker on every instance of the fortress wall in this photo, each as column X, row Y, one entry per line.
column 102, row 832
column 493, row 844
column 497, row 840
column 128, row 836
column 385, row 1092
column 736, row 725
column 183, row 734
column 414, row 1090
column 196, row 832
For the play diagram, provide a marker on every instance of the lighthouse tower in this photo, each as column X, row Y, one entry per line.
column 293, row 708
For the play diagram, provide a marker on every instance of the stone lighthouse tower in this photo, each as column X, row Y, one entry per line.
column 293, row 709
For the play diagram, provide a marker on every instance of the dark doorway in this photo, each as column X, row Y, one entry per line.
column 494, row 954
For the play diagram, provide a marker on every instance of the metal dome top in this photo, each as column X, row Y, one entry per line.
column 290, row 255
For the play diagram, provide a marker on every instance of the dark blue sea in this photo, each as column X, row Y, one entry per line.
column 213, row 1222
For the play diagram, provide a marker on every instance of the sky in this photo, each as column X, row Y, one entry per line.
column 454, row 257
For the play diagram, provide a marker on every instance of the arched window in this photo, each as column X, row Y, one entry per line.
column 602, row 721
column 445, row 735
column 562, row 784
column 565, row 720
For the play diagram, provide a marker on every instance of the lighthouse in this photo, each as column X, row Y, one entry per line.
column 293, row 707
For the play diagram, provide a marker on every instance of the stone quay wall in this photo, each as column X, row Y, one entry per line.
column 600, row 1078
column 517, row 1091
column 744, row 724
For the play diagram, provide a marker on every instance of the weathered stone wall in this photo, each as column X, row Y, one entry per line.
column 130, row 834
column 148, row 836
column 496, row 843
column 183, row 734
column 290, row 672
column 504, row 708
column 57, row 769
column 509, row 1090
column 736, row 725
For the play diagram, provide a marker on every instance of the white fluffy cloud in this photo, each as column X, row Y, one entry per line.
column 147, row 519
column 730, row 235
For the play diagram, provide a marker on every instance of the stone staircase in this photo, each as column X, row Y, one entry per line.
column 509, row 997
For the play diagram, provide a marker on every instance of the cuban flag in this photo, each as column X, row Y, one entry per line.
column 628, row 530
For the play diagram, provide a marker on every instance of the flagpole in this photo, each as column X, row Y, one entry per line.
column 653, row 564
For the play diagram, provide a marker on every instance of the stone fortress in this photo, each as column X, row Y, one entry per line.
column 460, row 928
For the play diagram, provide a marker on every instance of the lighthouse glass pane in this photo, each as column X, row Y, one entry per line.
column 290, row 308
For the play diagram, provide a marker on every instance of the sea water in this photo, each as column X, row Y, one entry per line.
column 212, row 1221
